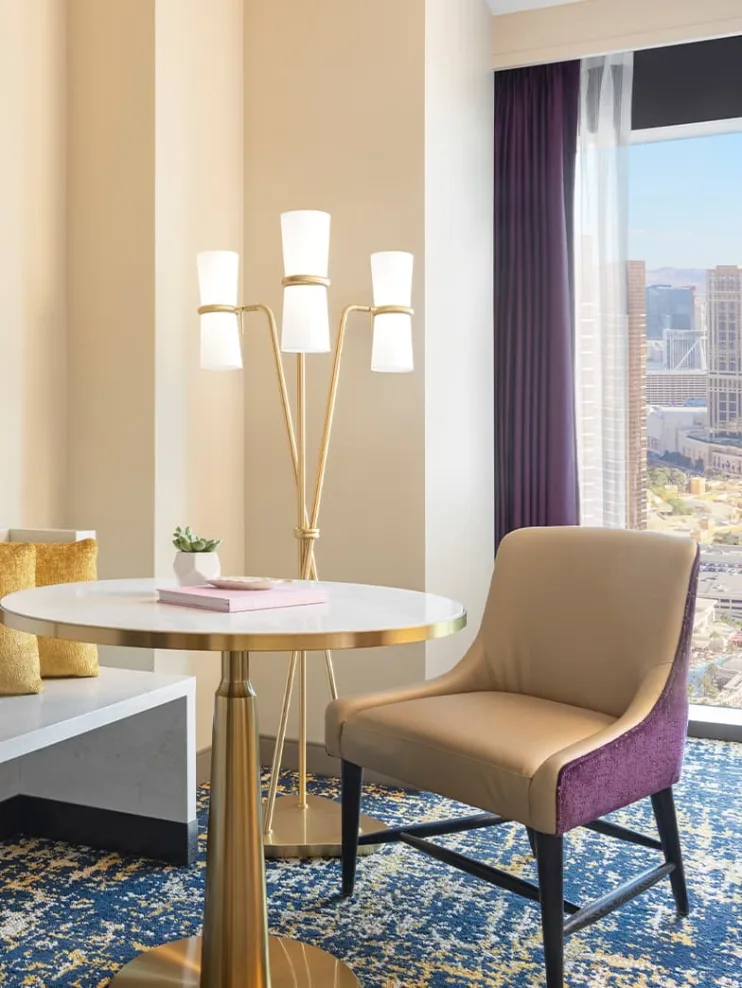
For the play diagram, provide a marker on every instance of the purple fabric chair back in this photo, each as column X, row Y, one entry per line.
column 647, row 758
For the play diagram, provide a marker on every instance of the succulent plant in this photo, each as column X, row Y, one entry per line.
column 186, row 541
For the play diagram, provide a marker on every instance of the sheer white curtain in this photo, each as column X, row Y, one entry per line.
column 601, row 256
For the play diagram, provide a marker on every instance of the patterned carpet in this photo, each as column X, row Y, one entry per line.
column 72, row 916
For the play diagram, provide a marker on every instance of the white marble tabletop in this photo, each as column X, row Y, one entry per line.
column 126, row 612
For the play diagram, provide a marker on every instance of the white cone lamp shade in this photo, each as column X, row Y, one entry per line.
column 218, row 279
column 391, row 273
column 305, row 326
column 220, row 342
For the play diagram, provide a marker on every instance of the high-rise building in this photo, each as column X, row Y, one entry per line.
column 669, row 308
column 724, row 314
column 636, row 433
column 684, row 349
column 701, row 322
column 676, row 388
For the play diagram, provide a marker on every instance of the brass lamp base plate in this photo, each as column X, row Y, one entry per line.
column 313, row 831
column 178, row 965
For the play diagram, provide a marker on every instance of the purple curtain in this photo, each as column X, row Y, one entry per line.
column 536, row 116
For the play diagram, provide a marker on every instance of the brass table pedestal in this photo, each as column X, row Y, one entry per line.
column 292, row 965
column 312, row 831
column 235, row 951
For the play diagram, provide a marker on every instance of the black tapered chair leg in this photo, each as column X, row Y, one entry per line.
column 550, row 861
column 352, row 780
column 532, row 839
column 663, row 805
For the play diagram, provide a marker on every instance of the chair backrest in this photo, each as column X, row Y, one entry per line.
column 582, row 615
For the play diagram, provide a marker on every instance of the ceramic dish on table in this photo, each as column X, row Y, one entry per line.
column 246, row 583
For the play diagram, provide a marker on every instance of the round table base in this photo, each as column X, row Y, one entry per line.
column 313, row 831
column 178, row 965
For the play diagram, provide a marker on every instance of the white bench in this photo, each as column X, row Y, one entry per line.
column 108, row 761
column 43, row 535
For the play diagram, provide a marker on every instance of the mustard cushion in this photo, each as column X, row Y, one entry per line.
column 66, row 562
column 19, row 653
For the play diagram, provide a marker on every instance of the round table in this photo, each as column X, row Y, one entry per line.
column 235, row 950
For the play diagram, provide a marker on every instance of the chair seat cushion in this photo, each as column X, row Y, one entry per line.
column 480, row 748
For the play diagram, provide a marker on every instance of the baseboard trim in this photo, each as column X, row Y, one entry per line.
column 318, row 762
column 107, row 830
column 11, row 817
column 203, row 766
column 715, row 723
column 714, row 730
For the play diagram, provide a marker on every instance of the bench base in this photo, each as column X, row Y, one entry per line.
column 109, row 762
column 108, row 830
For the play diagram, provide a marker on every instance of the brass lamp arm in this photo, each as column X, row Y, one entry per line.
column 239, row 311
column 330, row 412
column 332, row 397
column 285, row 403
column 282, row 387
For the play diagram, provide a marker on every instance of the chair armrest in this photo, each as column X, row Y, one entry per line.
column 639, row 754
column 467, row 676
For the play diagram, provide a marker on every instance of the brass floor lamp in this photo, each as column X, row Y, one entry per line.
column 302, row 825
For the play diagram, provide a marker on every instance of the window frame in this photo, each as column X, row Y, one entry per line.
column 679, row 132
column 705, row 720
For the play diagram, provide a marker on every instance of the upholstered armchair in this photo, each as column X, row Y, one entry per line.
column 570, row 703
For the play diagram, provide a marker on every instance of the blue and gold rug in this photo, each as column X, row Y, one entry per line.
column 72, row 916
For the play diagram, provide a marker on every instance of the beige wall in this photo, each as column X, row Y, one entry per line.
column 32, row 261
column 111, row 279
column 336, row 119
column 155, row 174
column 198, row 419
column 459, row 423
column 595, row 27
column 111, row 287
column 136, row 140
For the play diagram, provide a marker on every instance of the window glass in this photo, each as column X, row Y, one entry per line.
column 685, row 223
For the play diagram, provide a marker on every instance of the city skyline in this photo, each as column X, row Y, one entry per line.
column 724, row 297
column 683, row 461
column 690, row 447
column 685, row 202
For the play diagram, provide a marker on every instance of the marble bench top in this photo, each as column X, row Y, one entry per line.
column 68, row 707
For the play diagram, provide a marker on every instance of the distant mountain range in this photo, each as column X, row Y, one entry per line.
column 678, row 277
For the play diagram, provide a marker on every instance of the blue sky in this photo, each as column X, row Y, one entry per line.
column 686, row 202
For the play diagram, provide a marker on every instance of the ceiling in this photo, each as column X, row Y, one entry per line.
column 512, row 6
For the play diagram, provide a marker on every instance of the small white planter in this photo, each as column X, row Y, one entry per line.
column 195, row 568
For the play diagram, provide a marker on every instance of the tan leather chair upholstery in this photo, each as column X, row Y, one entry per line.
column 571, row 701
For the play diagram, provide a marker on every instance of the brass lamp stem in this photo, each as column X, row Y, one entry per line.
column 329, row 415
column 305, row 555
column 303, row 524
column 307, row 531
column 285, row 403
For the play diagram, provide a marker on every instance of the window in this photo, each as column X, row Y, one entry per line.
column 685, row 222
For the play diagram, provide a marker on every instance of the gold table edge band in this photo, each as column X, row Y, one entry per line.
column 219, row 642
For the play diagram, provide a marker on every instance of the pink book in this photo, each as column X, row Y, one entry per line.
column 232, row 601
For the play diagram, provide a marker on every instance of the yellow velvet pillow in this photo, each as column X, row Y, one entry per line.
column 19, row 652
column 66, row 562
